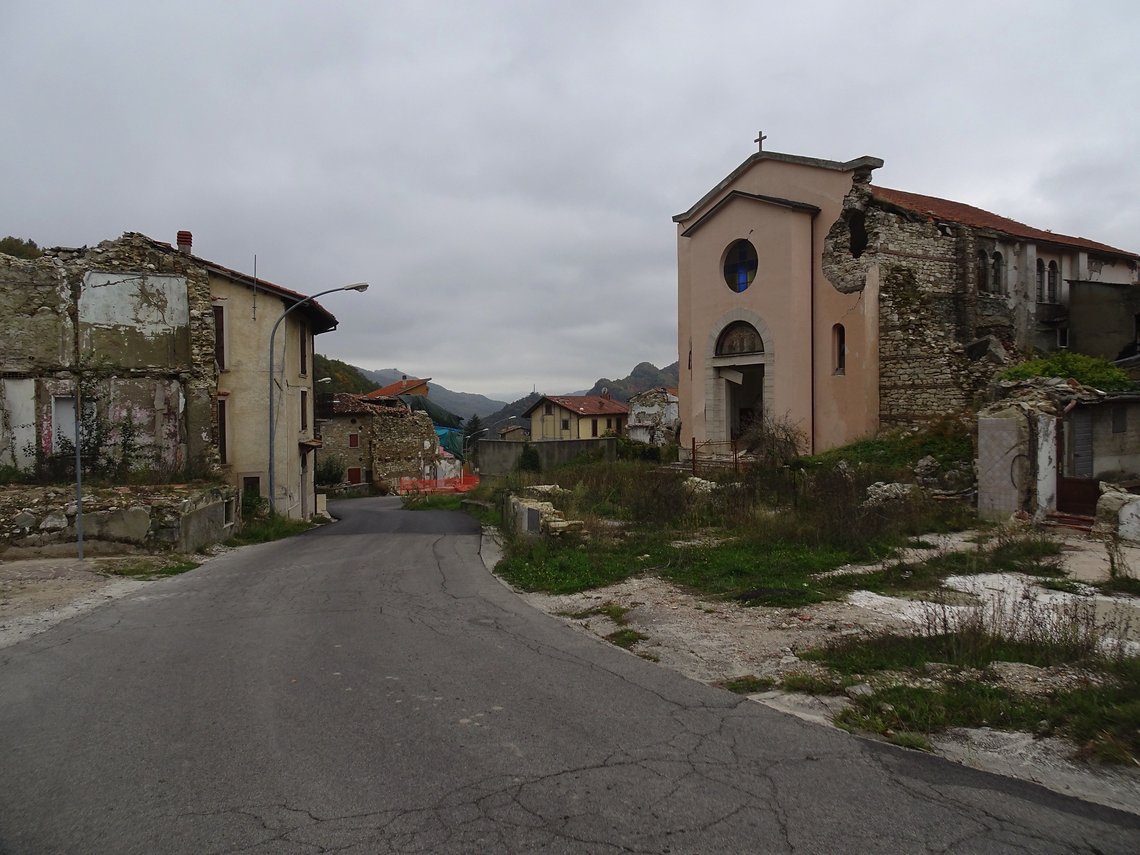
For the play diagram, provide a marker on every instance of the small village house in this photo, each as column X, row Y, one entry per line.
column 555, row 417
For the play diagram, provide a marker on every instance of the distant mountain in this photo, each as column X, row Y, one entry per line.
column 342, row 376
column 644, row 376
column 463, row 404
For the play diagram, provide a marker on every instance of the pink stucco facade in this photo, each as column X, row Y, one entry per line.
column 783, row 206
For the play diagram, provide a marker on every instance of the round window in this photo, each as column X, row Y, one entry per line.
column 740, row 265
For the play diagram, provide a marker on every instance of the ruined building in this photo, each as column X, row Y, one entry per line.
column 806, row 292
column 170, row 355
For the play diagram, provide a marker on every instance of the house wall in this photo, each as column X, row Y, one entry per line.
column 653, row 417
column 244, row 385
column 1116, row 453
column 1103, row 319
column 335, row 431
column 403, row 445
column 129, row 318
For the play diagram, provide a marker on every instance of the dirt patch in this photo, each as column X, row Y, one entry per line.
column 717, row 641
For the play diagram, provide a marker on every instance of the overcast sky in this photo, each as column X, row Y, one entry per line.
column 504, row 173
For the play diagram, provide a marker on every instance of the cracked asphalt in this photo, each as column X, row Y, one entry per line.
column 369, row 688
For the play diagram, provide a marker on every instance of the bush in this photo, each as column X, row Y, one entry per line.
column 529, row 460
column 329, row 471
column 1092, row 371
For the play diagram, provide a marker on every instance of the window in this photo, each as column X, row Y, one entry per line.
column 838, row 349
column 739, row 337
column 229, row 512
column 251, row 486
column 1062, row 337
column 1054, row 276
column 566, row 424
column 740, row 263
column 353, row 474
column 1119, row 419
column 304, row 409
column 548, row 410
column 303, row 350
column 220, row 337
column 354, row 440
column 223, row 428
column 1040, row 281
column 593, row 427
column 983, row 271
column 997, row 281
column 609, row 424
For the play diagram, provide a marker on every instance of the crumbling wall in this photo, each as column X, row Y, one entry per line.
column 131, row 320
column 940, row 341
column 404, row 445
column 42, row 520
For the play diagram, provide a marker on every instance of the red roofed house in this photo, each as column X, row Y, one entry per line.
column 807, row 293
column 575, row 417
column 404, row 386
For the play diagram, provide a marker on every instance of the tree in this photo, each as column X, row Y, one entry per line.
column 472, row 430
column 20, row 248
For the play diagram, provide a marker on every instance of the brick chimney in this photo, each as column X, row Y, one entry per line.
column 185, row 241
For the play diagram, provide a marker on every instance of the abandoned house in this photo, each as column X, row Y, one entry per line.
column 575, row 417
column 806, row 293
column 1047, row 447
column 378, row 439
column 170, row 353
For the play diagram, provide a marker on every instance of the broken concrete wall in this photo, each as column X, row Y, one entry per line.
column 43, row 519
column 1004, row 471
column 653, row 417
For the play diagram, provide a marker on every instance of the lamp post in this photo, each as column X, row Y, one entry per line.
column 359, row 286
column 467, row 442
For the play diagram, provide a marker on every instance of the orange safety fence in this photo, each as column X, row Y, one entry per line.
column 439, row 485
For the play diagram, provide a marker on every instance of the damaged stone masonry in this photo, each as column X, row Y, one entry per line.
column 956, row 301
column 134, row 323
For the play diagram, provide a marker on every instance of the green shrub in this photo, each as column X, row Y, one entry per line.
column 1092, row 371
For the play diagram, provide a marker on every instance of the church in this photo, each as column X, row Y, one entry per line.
column 808, row 294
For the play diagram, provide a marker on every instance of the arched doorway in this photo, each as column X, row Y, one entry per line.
column 739, row 361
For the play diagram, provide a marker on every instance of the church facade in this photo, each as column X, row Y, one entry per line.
column 808, row 294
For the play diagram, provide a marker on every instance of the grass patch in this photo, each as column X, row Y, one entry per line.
column 433, row 501
column 626, row 638
column 613, row 611
column 265, row 529
column 151, row 567
column 811, row 684
column 750, row 684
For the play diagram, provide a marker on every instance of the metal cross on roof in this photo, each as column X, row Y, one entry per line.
column 760, row 140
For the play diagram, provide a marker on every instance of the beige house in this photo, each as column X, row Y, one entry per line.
column 575, row 417
column 171, row 356
column 806, row 293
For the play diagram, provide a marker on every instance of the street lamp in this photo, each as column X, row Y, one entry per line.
column 359, row 286
column 467, row 442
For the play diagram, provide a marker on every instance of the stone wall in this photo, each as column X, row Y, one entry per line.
column 404, row 445
column 940, row 341
column 498, row 456
column 35, row 520
column 132, row 318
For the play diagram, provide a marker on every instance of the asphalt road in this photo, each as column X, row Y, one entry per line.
column 368, row 687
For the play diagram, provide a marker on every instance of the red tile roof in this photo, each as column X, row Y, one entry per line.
column 968, row 215
column 584, row 405
column 400, row 387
